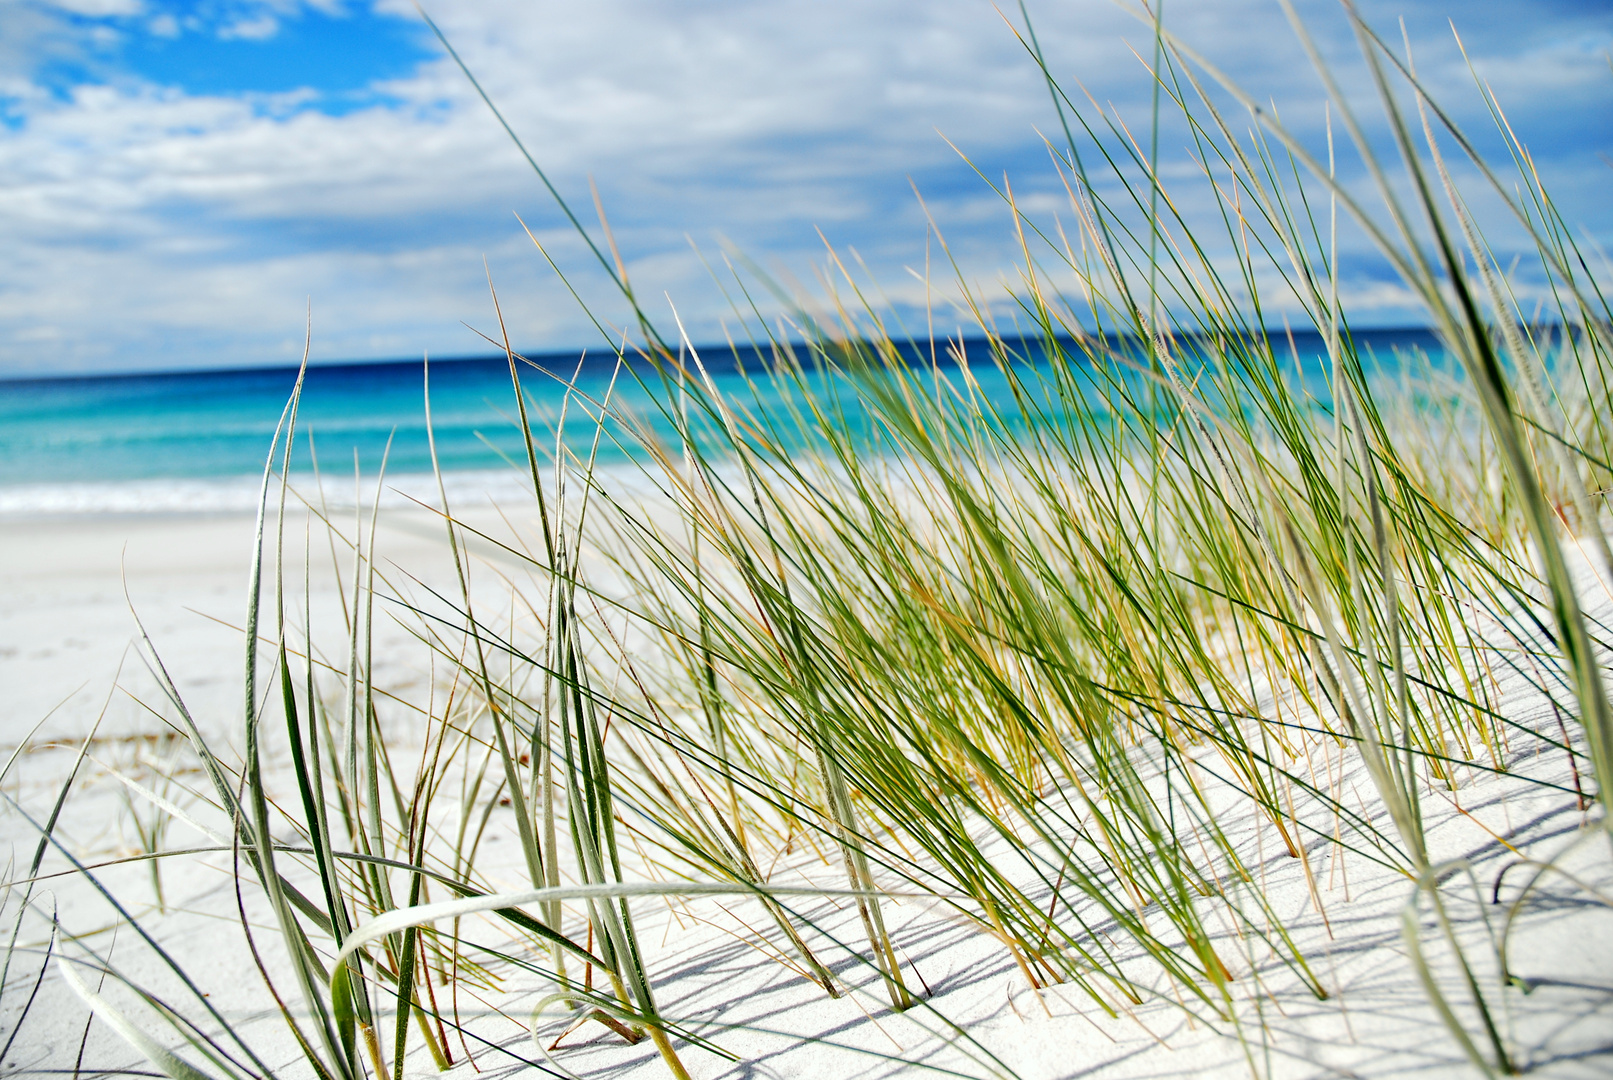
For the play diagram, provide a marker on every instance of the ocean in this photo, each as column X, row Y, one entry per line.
column 196, row 442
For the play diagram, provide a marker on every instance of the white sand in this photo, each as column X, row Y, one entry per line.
column 64, row 623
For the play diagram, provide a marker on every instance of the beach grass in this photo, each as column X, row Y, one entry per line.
column 1014, row 621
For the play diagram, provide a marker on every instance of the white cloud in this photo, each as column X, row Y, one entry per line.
column 100, row 8
column 259, row 28
column 148, row 227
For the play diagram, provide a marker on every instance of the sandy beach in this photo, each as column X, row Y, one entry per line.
column 66, row 613
column 73, row 588
column 64, row 627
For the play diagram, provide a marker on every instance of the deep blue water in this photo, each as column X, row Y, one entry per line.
column 194, row 440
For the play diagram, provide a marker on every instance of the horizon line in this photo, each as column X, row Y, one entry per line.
column 725, row 349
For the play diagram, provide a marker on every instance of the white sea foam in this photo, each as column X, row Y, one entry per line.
column 239, row 494
column 220, row 495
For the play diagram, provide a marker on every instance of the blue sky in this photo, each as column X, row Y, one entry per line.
column 179, row 181
column 232, row 49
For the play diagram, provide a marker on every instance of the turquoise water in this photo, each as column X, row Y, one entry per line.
column 197, row 440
